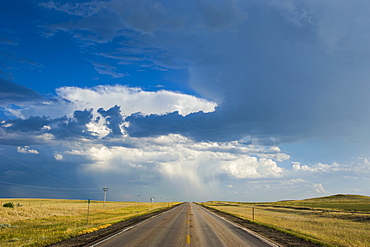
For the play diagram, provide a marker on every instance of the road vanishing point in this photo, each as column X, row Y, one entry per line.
column 186, row 225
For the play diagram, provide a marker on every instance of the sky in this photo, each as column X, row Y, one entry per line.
column 258, row 100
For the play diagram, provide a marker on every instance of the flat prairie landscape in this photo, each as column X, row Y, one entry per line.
column 40, row 222
column 339, row 220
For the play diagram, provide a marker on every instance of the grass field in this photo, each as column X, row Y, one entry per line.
column 340, row 220
column 40, row 222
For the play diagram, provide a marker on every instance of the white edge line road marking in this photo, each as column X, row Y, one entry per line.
column 126, row 229
column 232, row 223
column 245, row 229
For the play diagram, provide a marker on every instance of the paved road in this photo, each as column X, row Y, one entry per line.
column 185, row 225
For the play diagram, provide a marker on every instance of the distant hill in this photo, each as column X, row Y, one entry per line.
column 346, row 202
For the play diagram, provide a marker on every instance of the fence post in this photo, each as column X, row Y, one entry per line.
column 88, row 211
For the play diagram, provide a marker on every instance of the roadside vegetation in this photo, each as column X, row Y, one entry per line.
column 340, row 220
column 41, row 222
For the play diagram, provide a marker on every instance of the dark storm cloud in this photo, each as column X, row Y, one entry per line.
column 11, row 93
column 31, row 124
column 215, row 126
column 197, row 126
column 290, row 70
column 61, row 128
column 14, row 139
column 31, row 130
column 66, row 128
column 114, row 119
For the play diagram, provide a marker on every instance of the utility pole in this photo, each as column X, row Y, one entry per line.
column 138, row 196
column 105, row 189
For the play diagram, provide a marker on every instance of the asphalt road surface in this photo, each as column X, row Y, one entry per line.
column 185, row 225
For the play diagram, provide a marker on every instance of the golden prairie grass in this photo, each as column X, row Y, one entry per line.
column 40, row 222
column 332, row 228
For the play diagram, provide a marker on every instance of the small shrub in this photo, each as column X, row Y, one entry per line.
column 5, row 226
column 8, row 205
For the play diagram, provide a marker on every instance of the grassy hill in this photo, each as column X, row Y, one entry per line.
column 340, row 202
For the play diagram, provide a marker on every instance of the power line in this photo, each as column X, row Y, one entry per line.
column 37, row 172
column 28, row 172
column 51, row 188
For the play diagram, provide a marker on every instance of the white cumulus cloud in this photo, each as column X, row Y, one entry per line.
column 178, row 162
column 58, row 156
column 251, row 167
column 27, row 150
column 130, row 100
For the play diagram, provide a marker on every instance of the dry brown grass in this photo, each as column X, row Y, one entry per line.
column 40, row 222
column 335, row 228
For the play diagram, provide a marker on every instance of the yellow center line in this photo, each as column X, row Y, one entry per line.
column 188, row 224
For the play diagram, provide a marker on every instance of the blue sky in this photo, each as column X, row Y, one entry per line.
column 192, row 100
